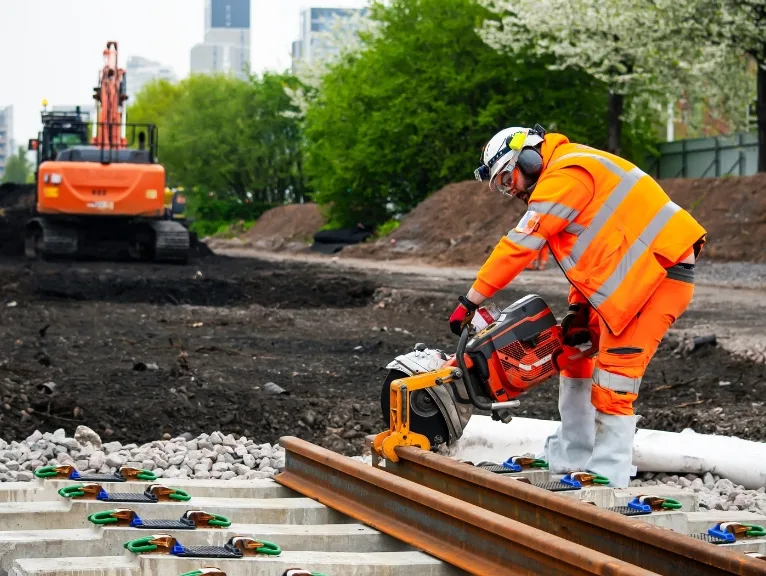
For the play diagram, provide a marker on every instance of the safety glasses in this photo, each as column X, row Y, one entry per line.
column 503, row 181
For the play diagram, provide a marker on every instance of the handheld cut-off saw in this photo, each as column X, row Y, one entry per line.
column 428, row 397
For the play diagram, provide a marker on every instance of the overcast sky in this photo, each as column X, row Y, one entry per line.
column 54, row 48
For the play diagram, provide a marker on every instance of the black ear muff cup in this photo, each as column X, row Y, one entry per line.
column 530, row 162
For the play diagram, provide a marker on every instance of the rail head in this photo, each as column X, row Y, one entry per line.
column 469, row 537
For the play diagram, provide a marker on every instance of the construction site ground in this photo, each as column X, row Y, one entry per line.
column 136, row 351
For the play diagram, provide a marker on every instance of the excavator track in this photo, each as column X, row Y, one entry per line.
column 48, row 239
column 171, row 241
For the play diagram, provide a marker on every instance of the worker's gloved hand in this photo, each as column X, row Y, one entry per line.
column 462, row 315
column 574, row 325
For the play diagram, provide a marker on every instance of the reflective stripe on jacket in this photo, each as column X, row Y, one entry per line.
column 612, row 237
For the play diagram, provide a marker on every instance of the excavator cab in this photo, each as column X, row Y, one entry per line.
column 61, row 130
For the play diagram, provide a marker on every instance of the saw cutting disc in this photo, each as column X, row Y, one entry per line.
column 425, row 416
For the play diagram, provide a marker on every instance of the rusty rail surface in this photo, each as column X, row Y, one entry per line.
column 631, row 540
column 466, row 536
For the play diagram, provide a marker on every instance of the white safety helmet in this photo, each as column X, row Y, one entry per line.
column 508, row 150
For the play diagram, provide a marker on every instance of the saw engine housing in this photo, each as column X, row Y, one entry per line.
column 518, row 350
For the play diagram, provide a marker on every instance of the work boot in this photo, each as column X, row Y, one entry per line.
column 613, row 449
column 571, row 446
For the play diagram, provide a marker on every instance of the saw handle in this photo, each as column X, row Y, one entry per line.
column 568, row 355
column 468, row 381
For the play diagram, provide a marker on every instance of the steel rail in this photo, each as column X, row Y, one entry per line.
column 466, row 536
column 639, row 543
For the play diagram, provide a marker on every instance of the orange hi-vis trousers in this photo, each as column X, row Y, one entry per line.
column 621, row 362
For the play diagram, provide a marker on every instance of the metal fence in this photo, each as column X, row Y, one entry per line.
column 706, row 157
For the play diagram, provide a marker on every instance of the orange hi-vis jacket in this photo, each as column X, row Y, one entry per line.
column 610, row 226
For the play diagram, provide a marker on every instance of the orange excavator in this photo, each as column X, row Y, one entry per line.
column 100, row 182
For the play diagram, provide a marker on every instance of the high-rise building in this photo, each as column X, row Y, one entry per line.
column 309, row 46
column 226, row 46
column 141, row 71
column 296, row 53
column 6, row 137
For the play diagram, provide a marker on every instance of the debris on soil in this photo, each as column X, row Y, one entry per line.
column 461, row 223
column 215, row 455
column 691, row 344
column 271, row 388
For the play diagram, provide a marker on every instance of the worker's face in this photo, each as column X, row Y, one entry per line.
column 514, row 183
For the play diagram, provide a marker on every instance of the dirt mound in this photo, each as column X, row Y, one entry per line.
column 732, row 210
column 16, row 205
column 17, row 196
column 461, row 223
column 285, row 227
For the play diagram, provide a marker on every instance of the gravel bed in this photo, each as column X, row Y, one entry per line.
column 715, row 493
column 731, row 274
column 207, row 456
column 220, row 456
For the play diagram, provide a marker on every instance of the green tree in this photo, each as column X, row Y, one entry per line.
column 643, row 50
column 411, row 111
column 236, row 138
column 234, row 145
column 154, row 104
column 17, row 168
column 735, row 30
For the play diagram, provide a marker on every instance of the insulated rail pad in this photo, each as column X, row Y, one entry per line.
column 627, row 511
column 552, row 486
column 497, row 469
column 208, row 552
column 556, row 486
column 166, row 525
column 100, row 478
column 128, row 497
column 709, row 538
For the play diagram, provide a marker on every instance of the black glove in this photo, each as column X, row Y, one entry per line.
column 462, row 315
column 574, row 325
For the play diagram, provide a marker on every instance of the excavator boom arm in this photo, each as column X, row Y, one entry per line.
column 110, row 94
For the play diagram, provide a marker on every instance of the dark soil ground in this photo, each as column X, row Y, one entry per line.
column 135, row 351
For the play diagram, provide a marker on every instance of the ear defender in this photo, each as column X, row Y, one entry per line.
column 530, row 162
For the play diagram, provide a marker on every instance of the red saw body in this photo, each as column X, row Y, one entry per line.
column 519, row 350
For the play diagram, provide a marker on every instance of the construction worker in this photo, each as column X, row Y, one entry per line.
column 628, row 252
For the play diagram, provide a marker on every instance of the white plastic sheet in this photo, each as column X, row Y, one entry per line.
column 741, row 461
